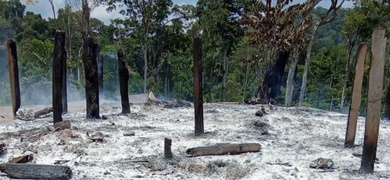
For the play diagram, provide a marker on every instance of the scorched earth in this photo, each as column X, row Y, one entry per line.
column 290, row 138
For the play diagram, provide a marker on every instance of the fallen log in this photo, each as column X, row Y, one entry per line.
column 44, row 111
column 36, row 171
column 224, row 149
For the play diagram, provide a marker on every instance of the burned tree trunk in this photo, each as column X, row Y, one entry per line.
column 124, row 76
column 375, row 91
column 64, row 82
column 57, row 75
column 273, row 78
column 198, row 94
column 13, row 75
column 100, row 68
column 91, row 79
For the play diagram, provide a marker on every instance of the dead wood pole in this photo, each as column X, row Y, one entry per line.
column 100, row 69
column 375, row 91
column 167, row 148
column 64, row 81
column 91, row 79
column 124, row 76
column 13, row 75
column 356, row 97
column 57, row 75
column 198, row 94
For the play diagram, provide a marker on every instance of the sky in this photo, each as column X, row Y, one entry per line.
column 44, row 8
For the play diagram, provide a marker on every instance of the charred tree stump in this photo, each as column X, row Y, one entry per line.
column 356, row 97
column 124, row 77
column 167, row 148
column 198, row 94
column 57, row 75
column 224, row 149
column 36, row 171
column 375, row 91
column 100, row 68
column 273, row 78
column 91, row 79
column 13, row 75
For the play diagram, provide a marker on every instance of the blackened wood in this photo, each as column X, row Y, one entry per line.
column 167, row 148
column 270, row 89
column 57, row 75
column 124, row 76
column 44, row 111
column 99, row 59
column 91, row 79
column 36, row 171
column 198, row 94
column 13, row 75
column 375, row 91
column 64, row 84
column 224, row 149
column 356, row 97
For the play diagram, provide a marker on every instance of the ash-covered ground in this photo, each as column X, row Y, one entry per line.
column 290, row 139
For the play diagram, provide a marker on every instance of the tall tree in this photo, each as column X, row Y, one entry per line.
column 222, row 18
column 140, row 15
column 273, row 26
column 328, row 17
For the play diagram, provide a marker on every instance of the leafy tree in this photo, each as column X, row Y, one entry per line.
column 325, row 18
column 142, row 14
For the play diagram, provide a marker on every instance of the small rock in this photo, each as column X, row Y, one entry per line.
column 16, row 133
column 104, row 117
column 96, row 136
column 25, row 114
column 322, row 163
column 259, row 113
column 106, row 173
column 129, row 133
column 22, row 159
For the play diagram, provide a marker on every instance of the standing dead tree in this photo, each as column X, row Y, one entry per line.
column 275, row 27
column 326, row 18
column 375, row 92
column 13, row 75
column 59, row 60
column 124, row 76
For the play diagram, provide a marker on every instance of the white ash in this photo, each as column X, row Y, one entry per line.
column 295, row 138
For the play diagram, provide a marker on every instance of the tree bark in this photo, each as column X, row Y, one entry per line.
column 225, row 73
column 99, row 60
column 356, row 97
column 59, row 60
column 307, row 62
column 124, row 76
column 273, row 78
column 375, row 91
column 290, row 79
column 91, row 79
column 146, row 64
column 198, row 92
column 36, row 171
column 13, row 75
